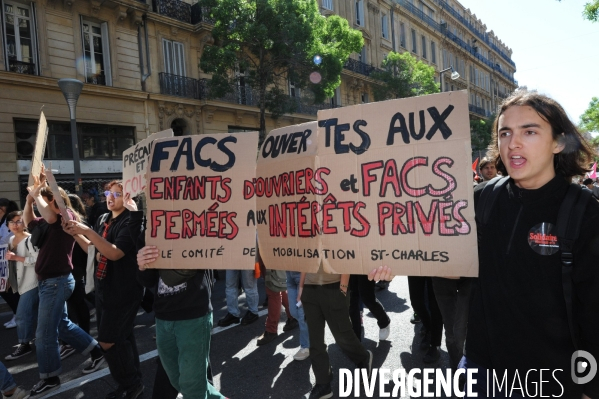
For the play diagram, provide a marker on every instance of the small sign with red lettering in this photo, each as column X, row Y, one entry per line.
column 542, row 239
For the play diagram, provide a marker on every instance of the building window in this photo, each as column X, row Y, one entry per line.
column 433, row 52
column 293, row 91
column 18, row 25
column 414, row 42
column 385, row 27
column 95, row 53
column 241, row 129
column 364, row 98
column 402, row 35
column 360, row 12
column 328, row 4
column 423, row 47
column 362, row 55
column 95, row 141
column 174, row 57
column 336, row 99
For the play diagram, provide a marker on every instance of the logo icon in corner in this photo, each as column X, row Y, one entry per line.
column 583, row 367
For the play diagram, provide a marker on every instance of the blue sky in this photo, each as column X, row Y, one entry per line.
column 555, row 50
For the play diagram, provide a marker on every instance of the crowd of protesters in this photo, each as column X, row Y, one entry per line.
column 512, row 317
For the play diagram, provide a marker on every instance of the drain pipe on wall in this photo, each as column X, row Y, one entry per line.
column 144, row 76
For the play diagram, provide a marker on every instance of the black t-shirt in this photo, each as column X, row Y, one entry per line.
column 55, row 255
column 518, row 318
column 120, row 286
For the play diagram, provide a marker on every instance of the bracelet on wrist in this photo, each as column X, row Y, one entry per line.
column 343, row 286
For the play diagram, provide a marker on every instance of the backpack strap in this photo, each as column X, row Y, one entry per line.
column 488, row 197
column 569, row 220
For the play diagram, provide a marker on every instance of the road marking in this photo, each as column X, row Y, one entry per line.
column 78, row 382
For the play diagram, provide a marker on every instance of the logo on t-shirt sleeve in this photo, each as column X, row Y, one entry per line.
column 542, row 239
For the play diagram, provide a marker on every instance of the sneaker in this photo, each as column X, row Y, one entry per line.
column 249, row 318
column 11, row 324
column 94, row 365
column 415, row 318
column 66, row 351
column 228, row 320
column 266, row 338
column 302, row 354
column 10, row 321
column 432, row 355
column 44, row 387
column 19, row 393
column 22, row 350
column 290, row 324
column 367, row 364
column 321, row 391
column 121, row 393
column 384, row 333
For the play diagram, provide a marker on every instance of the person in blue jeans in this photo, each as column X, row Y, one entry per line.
column 297, row 312
column 250, row 286
column 9, row 388
column 23, row 253
column 56, row 284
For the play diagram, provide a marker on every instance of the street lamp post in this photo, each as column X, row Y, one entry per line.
column 454, row 76
column 71, row 89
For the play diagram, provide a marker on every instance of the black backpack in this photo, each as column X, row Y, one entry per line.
column 569, row 219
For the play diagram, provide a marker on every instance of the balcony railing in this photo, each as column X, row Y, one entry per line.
column 96, row 80
column 200, row 14
column 431, row 22
column 179, row 86
column 21, row 67
column 176, row 9
column 479, row 110
column 360, row 67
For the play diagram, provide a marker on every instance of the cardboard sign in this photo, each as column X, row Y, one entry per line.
column 390, row 184
column 40, row 147
column 135, row 161
column 3, row 268
column 197, row 214
column 54, row 186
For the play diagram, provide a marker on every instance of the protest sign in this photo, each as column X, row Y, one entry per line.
column 391, row 184
column 3, row 267
column 135, row 161
column 40, row 147
column 54, row 186
column 287, row 179
column 197, row 214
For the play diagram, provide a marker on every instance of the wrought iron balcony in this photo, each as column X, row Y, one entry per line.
column 21, row 67
column 200, row 14
column 176, row 9
column 180, row 86
column 359, row 67
column 96, row 80
column 479, row 110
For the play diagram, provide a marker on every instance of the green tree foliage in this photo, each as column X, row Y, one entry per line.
column 589, row 120
column 273, row 42
column 591, row 11
column 402, row 75
column 481, row 132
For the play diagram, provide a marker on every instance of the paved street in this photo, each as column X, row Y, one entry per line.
column 241, row 369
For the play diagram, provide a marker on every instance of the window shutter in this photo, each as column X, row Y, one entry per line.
column 179, row 58
column 167, row 51
column 4, row 45
column 36, row 53
column 106, row 51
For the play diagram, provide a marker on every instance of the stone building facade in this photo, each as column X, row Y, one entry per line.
column 139, row 62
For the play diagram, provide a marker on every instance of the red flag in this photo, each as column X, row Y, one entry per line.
column 474, row 165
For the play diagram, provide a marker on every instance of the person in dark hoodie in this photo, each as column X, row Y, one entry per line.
column 518, row 329
column 183, row 317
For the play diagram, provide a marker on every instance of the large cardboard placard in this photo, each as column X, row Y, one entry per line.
column 3, row 267
column 286, row 187
column 197, row 214
column 135, row 161
column 391, row 185
column 54, row 186
column 40, row 147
